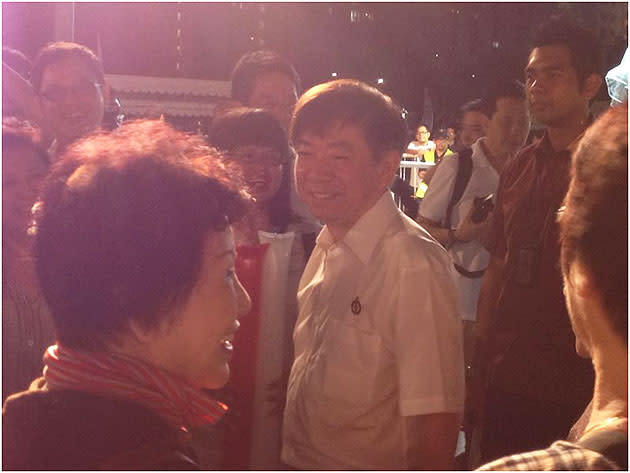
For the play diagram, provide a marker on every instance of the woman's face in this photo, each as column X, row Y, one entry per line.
column 197, row 344
column 262, row 170
column 23, row 171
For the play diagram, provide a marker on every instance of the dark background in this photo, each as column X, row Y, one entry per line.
column 454, row 49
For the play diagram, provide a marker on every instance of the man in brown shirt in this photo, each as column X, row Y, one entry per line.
column 530, row 386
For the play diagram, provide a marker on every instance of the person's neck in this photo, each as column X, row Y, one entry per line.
column 495, row 158
column 562, row 135
column 256, row 219
column 610, row 396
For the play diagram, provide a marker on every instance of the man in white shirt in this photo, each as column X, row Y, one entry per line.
column 506, row 133
column 377, row 381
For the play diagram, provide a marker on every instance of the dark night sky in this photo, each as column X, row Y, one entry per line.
column 396, row 41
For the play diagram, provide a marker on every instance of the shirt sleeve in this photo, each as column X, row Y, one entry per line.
column 440, row 190
column 427, row 336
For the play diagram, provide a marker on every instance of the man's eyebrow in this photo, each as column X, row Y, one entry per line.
column 543, row 68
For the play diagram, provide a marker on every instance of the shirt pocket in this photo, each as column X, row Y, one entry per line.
column 351, row 364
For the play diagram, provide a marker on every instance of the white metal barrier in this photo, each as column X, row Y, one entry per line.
column 409, row 161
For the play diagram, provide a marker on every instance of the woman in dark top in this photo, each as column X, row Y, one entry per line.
column 135, row 257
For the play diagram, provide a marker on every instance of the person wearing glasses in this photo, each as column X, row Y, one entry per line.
column 66, row 96
column 422, row 143
column 256, row 146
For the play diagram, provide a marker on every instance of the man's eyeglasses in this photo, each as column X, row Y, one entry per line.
column 83, row 90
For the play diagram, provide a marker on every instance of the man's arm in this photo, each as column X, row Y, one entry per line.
column 466, row 231
column 432, row 439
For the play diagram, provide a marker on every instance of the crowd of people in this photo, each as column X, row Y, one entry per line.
column 256, row 299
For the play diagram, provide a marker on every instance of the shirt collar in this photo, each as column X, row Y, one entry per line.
column 362, row 238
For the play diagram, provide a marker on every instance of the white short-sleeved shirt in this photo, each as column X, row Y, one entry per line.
column 473, row 256
column 378, row 337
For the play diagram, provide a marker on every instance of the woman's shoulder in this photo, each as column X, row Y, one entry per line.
column 71, row 429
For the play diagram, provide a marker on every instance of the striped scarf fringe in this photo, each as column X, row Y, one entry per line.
column 118, row 376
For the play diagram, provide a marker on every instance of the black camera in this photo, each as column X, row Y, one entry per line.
column 483, row 206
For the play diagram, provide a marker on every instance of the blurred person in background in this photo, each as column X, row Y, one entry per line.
column 422, row 144
column 66, row 95
column 16, row 68
column 135, row 258
column 472, row 124
column 27, row 328
column 594, row 260
column 264, row 79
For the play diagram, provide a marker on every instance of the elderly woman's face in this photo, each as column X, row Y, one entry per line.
column 197, row 344
column 262, row 170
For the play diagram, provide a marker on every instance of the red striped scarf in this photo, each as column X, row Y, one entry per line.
column 122, row 377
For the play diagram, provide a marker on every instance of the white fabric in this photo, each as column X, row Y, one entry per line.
column 356, row 375
column 271, row 354
column 473, row 256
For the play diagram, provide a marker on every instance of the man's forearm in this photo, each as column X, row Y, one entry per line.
column 439, row 233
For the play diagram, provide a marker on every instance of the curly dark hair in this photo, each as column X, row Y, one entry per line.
column 121, row 229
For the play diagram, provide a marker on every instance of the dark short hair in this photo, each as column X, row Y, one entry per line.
column 59, row 51
column 498, row 90
column 594, row 223
column 475, row 105
column 17, row 132
column 254, row 64
column 17, row 61
column 247, row 126
column 122, row 227
column 581, row 42
column 441, row 134
column 351, row 102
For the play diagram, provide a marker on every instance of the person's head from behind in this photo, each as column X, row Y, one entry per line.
column 473, row 123
column 254, row 140
column 17, row 61
column 349, row 138
column 24, row 167
column 135, row 254
column 422, row 134
column 508, row 123
column 441, row 140
column 70, row 83
column 594, row 235
column 264, row 79
column 563, row 72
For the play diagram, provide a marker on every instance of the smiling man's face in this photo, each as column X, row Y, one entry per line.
column 72, row 100
column 339, row 177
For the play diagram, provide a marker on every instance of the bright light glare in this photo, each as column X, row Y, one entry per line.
column 334, row 74
column 380, row 80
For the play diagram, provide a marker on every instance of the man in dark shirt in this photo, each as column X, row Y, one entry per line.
column 531, row 386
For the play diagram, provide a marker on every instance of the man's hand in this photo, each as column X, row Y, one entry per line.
column 467, row 230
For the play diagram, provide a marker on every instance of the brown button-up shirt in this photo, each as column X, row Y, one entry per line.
column 532, row 341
